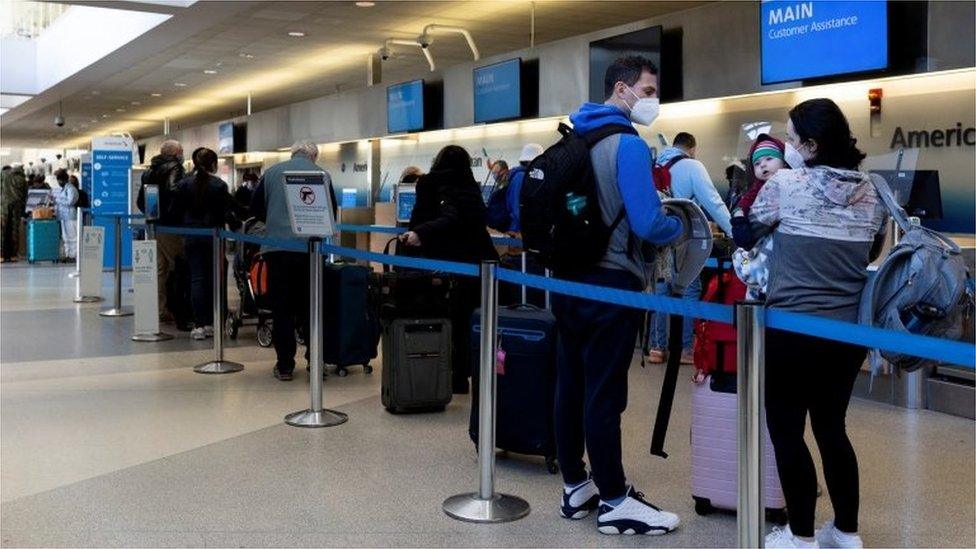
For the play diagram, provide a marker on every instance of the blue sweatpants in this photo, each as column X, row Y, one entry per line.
column 596, row 347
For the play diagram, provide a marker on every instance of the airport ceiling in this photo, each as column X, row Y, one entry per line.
column 249, row 46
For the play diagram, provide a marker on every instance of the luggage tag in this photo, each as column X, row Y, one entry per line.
column 499, row 359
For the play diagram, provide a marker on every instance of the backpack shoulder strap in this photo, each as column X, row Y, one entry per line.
column 884, row 193
column 601, row 133
column 675, row 160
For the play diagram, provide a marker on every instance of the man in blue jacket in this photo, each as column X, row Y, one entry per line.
column 596, row 340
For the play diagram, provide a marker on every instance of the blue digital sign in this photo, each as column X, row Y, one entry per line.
column 405, row 107
column 803, row 40
column 498, row 91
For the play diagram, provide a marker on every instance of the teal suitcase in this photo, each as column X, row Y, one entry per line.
column 43, row 240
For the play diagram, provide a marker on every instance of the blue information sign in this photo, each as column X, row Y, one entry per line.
column 86, row 177
column 111, row 166
column 802, row 40
column 498, row 91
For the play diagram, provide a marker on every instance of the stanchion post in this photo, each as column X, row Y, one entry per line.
column 117, row 309
column 486, row 505
column 79, row 223
column 524, row 288
column 548, row 274
column 315, row 415
column 218, row 365
column 750, row 336
column 158, row 336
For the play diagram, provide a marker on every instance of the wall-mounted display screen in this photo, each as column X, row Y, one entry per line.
column 498, row 91
column 645, row 42
column 225, row 138
column 405, row 107
column 804, row 40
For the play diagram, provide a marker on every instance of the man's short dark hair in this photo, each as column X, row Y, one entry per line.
column 684, row 140
column 627, row 70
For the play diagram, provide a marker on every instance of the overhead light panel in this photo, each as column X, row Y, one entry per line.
column 179, row 84
column 296, row 34
column 156, row 94
column 210, row 71
column 365, row 4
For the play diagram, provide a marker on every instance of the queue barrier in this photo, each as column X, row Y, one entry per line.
column 751, row 319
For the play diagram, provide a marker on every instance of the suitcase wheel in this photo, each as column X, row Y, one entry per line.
column 232, row 326
column 264, row 335
column 777, row 516
column 552, row 465
column 367, row 369
column 703, row 506
column 342, row 372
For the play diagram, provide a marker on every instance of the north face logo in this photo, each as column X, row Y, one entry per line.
column 536, row 173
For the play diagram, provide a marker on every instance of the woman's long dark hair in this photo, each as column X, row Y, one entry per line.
column 204, row 164
column 822, row 121
column 456, row 161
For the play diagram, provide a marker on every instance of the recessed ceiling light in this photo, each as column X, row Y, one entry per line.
column 120, row 110
column 296, row 34
column 246, row 55
column 365, row 4
column 209, row 71
column 137, row 103
column 106, row 116
column 156, row 94
column 179, row 84
column 95, row 92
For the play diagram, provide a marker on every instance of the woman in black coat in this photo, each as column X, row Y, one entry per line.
column 449, row 222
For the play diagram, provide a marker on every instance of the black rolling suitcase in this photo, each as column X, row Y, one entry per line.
column 416, row 364
column 351, row 327
column 526, row 385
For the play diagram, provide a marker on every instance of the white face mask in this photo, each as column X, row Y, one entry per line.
column 645, row 110
column 793, row 157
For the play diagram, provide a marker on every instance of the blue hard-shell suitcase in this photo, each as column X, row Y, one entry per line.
column 526, row 389
column 43, row 240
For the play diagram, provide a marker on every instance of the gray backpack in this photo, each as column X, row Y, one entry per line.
column 920, row 288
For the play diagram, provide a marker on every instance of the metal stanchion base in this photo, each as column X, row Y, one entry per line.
column 121, row 311
column 158, row 336
column 324, row 418
column 218, row 367
column 88, row 299
column 471, row 508
column 74, row 274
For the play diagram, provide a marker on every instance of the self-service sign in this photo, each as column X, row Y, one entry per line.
column 111, row 165
column 309, row 204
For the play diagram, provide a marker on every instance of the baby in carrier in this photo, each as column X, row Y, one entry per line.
column 751, row 262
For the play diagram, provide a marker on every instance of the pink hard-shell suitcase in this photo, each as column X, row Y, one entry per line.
column 714, row 453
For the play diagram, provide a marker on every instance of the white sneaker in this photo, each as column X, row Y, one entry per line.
column 830, row 536
column 635, row 516
column 198, row 334
column 578, row 502
column 784, row 539
column 208, row 331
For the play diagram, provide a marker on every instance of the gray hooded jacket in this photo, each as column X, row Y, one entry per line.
column 825, row 222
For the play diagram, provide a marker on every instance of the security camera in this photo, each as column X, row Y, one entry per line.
column 384, row 53
column 424, row 40
column 59, row 121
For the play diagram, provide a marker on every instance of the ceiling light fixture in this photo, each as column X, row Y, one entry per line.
column 209, row 71
column 106, row 116
column 179, row 84
column 365, row 4
column 137, row 103
column 245, row 55
column 119, row 110
column 296, row 34
column 156, row 94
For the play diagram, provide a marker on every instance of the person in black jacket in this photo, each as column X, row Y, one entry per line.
column 165, row 171
column 449, row 222
column 204, row 202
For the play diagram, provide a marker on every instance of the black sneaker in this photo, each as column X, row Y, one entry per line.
column 283, row 376
column 586, row 497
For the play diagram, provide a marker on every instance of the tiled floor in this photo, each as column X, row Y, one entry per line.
column 106, row 442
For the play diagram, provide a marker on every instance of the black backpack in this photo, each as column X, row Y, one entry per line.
column 560, row 206
column 83, row 199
